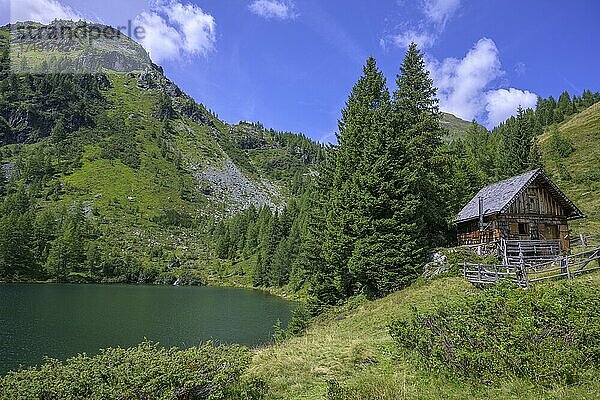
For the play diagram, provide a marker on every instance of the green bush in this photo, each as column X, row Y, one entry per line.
column 548, row 334
column 143, row 372
column 171, row 217
column 297, row 325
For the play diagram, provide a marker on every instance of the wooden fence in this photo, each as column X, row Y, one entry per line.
column 511, row 251
column 533, row 251
column 585, row 240
column 525, row 273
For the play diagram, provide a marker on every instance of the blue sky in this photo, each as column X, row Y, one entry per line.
column 291, row 63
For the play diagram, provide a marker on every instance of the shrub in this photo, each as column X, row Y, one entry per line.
column 191, row 278
column 171, row 217
column 143, row 372
column 297, row 325
column 546, row 334
column 299, row 322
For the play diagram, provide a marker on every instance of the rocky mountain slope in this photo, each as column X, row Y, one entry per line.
column 73, row 46
column 149, row 168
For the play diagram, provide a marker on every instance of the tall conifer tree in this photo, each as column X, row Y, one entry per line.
column 347, row 217
column 408, row 185
column 425, row 167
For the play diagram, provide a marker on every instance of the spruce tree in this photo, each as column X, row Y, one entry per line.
column 475, row 163
column 259, row 271
column 403, row 185
column 17, row 215
column 347, row 219
column 564, row 103
column 518, row 141
column 558, row 116
column 421, row 182
column 5, row 131
column 222, row 240
column 587, row 98
column 322, row 288
column 280, row 264
column 59, row 132
column 68, row 251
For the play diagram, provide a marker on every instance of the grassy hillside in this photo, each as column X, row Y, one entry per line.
column 148, row 167
column 578, row 174
column 456, row 126
column 353, row 347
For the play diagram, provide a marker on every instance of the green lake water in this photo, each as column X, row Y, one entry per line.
column 62, row 320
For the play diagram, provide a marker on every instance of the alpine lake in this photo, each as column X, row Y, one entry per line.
column 61, row 320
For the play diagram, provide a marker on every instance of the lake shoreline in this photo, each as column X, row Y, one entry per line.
column 274, row 291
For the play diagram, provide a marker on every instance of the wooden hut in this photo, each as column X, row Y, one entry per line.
column 527, row 207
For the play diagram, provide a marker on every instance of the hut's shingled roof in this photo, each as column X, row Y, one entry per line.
column 499, row 196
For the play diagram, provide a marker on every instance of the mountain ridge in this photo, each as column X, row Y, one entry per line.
column 148, row 168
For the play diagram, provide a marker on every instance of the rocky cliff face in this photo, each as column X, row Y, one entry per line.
column 73, row 47
column 220, row 179
column 227, row 184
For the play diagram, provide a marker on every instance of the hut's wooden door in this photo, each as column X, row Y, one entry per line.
column 549, row 232
column 564, row 237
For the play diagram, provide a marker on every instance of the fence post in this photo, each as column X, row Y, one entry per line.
column 565, row 266
column 522, row 275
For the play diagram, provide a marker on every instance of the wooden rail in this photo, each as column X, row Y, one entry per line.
column 512, row 251
column 585, row 240
column 525, row 273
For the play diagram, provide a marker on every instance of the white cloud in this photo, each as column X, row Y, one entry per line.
column 461, row 83
column 274, row 9
column 422, row 39
column 44, row 11
column 174, row 30
column 464, row 86
column 520, row 68
column 436, row 14
column 503, row 103
column 440, row 11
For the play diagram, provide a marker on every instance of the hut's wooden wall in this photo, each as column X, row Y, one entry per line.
column 544, row 217
column 536, row 200
column 468, row 232
column 534, row 215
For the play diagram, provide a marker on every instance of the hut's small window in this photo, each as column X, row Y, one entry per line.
column 523, row 229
